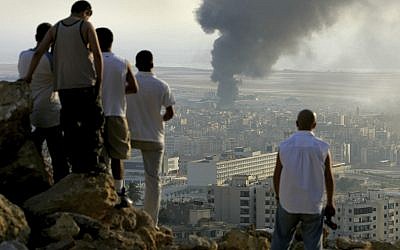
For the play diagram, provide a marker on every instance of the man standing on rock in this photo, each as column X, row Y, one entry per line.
column 45, row 116
column 118, row 81
column 302, row 172
column 78, row 71
column 147, row 126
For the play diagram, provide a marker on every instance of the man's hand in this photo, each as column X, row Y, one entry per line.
column 27, row 79
column 330, row 210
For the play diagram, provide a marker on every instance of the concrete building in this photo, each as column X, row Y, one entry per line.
column 244, row 202
column 214, row 170
column 368, row 215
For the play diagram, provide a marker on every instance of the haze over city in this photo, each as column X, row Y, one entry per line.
column 361, row 36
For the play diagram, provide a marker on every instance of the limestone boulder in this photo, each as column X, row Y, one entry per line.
column 15, row 106
column 13, row 224
column 77, row 193
column 22, row 170
column 347, row 243
column 238, row 239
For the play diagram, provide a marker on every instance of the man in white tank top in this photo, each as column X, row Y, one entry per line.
column 118, row 80
column 302, row 173
column 78, row 71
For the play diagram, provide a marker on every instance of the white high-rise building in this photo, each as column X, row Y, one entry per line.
column 213, row 170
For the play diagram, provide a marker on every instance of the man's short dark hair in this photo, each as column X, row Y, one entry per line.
column 80, row 6
column 41, row 31
column 144, row 60
column 105, row 37
column 306, row 119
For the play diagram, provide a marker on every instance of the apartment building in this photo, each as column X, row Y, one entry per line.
column 368, row 215
column 244, row 202
column 214, row 170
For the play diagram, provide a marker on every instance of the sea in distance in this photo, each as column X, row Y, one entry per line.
column 363, row 86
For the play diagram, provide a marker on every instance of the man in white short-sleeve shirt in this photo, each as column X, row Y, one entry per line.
column 302, row 173
column 118, row 80
column 45, row 116
column 146, row 124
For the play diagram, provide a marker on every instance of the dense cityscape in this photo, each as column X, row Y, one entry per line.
column 219, row 163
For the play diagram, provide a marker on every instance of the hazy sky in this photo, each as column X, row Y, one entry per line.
column 365, row 36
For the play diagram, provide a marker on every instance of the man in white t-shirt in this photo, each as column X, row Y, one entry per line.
column 302, row 173
column 146, row 124
column 118, row 80
column 45, row 116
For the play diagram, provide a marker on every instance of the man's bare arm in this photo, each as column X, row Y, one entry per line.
column 169, row 113
column 43, row 47
column 132, row 86
column 98, row 59
column 277, row 176
column 329, row 181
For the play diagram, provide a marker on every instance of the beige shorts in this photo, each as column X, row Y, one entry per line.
column 117, row 137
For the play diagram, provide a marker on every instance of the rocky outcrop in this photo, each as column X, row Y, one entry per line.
column 22, row 171
column 78, row 193
column 13, row 224
column 238, row 240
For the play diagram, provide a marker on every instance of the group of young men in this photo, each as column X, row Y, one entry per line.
column 84, row 97
column 81, row 83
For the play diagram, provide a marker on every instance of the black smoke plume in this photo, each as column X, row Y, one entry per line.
column 255, row 33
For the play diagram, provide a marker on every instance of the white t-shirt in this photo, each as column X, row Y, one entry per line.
column 46, row 104
column 114, row 83
column 144, row 108
column 302, row 182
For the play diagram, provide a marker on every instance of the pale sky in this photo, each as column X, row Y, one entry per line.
column 365, row 37
column 167, row 27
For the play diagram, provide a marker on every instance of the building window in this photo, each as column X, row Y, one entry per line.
column 349, row 211
column 363, row 210
column 244, row 211
column 244, row 194
column 244, row 203
column 244, row 219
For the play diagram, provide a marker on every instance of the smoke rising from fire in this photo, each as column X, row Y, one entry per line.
column 255, row 33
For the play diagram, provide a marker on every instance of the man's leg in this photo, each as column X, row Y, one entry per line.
column 54, row 139
column 285, row 226
column 70, row 111
column 117, row 169
column 152, row 154
column 92, row 122
column 38, row 137
column 311, row 227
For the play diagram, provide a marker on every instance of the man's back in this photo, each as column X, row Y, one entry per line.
column 46, row 105
column 144, row 108
column 302, row 179
column 73, row 62
column 114, row 83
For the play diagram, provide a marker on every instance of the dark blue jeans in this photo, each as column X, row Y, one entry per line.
column 82, row 121
column 285, row 227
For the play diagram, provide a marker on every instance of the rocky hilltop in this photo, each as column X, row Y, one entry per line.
column 79, row 211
